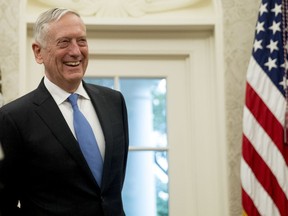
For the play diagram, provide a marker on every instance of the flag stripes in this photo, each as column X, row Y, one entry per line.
column 266, row 149
column 248, row 204
column 265, row 176
column 265, row 118
column 258, row 195
column 266, row 90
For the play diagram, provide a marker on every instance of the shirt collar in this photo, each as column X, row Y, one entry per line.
column 61, row 95
column 82, row 92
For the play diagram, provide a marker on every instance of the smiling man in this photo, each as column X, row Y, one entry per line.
column 62, row 47
column 66, row 142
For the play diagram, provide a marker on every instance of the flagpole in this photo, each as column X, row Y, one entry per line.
column 284, row 27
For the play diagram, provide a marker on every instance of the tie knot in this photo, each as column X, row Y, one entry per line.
column 73, row 99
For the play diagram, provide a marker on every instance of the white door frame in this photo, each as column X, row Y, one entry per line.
column 196, row 171
column 196, row 117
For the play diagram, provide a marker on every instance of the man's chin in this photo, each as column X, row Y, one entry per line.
column 75, row 74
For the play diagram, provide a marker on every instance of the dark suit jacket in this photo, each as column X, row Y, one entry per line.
column 44, row 167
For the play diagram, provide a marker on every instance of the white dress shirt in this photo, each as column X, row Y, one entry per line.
column 85, row 105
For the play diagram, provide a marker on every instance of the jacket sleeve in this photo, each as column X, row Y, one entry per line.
column 10, row 168
column 126, row 134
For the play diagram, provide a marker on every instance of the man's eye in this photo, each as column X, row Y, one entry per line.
column 63, row 43
column 82, row 42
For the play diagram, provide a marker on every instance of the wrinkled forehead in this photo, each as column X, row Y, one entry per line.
column 68, row 26
column 68, row 22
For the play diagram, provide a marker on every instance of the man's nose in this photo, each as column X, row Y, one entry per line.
column 74, row 49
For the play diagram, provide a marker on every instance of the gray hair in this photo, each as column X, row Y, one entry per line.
column 43, row 21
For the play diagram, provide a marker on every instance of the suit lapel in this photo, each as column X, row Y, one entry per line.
column 49, row 112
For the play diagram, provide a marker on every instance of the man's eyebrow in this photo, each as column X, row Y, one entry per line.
column 61, row 38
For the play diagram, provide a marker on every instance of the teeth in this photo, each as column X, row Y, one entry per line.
column 72, row 63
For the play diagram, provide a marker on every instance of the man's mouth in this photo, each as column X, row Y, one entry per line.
column 72, row 63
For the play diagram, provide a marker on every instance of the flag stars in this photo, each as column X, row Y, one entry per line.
column 273, row 46
column 284, row 83
column 285, row 66
column 259, row 27
column 275, row 27
column 277, row 9
column 271, row 63
column 263, row 8
column 257, row 45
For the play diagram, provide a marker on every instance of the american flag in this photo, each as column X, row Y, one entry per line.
column 264, row 171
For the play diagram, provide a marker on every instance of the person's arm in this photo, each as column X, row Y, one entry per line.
column 1, row 184
column 126, row 135
column 10, row 182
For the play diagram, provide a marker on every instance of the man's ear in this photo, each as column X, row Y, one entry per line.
column 36, row 47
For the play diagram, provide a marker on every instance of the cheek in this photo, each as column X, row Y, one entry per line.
column 85, row 52
column 86, row 56
column 54, row 59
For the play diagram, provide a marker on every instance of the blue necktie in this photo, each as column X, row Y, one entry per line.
column 86, row 140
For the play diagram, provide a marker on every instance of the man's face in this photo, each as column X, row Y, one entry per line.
column 65, row 52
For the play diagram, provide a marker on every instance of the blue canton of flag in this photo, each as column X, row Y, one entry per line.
column 268, row 45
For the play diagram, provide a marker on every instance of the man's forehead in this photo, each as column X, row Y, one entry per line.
column 68, row 24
